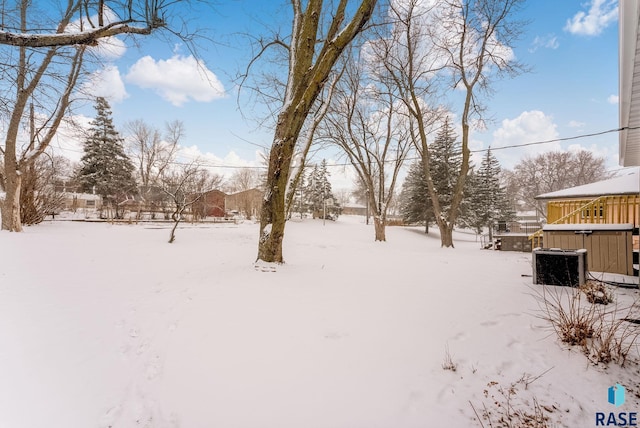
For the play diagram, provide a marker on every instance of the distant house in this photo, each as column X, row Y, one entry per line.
column 74, row 201
column 354, row 209
column 514, row 235
column 602, row 217
column 247, row 202
column 210, row 204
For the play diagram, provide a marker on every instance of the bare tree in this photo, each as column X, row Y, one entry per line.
column 243, row 179
column 478, row 40
column 132, row 17
column 40, row 197
column 186, row 186
column 44, row 63
column 467, row 41
column 551, row 171
column 366, row 122
column 153, row 154
column 410, row 58
column 320, row 33
column 307, row 139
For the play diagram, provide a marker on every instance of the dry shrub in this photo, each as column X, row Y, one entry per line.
column 604, row 334
column 597, row 292
column 615, row 336
column 448, row 363
column 507, row 410
column 571, row 319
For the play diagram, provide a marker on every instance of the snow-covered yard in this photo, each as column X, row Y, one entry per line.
column 110, row 326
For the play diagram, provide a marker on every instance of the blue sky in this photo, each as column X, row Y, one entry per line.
column 571, row 47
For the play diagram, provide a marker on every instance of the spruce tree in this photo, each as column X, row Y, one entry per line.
column 446, row 161
column 415, row 204
column 318, row 189
column 297, row 196
column 489, row 203
column 445, row 164
column 105, row 168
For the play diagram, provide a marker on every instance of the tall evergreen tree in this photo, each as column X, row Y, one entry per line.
column 488, row 202
column 105, row 168
column 445, row 165
column 318, row 190
column 297, row 193
column 415, row 204
column 446, row 162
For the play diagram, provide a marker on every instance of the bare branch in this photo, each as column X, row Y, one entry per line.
column 264, row 46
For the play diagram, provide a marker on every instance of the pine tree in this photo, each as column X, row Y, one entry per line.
column 415, row 204
column 298, row 200
column 488, row 203
column 445, row 164
column 318, row 190
column 446, row 161
column 105, row 168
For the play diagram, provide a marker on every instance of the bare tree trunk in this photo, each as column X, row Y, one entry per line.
column 29, row 212
column 11, row 206
column 379, row 225
column 176, row 217
column 312, row 56
column 273, row 213
column 317, row 119
column 446, row 235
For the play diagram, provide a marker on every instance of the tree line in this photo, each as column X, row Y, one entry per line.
column 377, row 86
column 46, row 54
column 147, row 172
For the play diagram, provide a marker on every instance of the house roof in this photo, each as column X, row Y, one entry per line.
column 255, row 190
column 628, row 183
column 629, row 84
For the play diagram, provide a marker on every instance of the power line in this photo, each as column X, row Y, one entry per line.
column 201, row 163
column 576, row 137
column 512, row 146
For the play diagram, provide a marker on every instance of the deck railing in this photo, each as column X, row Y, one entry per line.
column 605, row 209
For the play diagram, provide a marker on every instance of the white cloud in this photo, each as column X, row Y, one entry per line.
column 177, row 80
column 613, row 99
column 550, row 41
column 530, row 127
column 106, row 83
column 608, row 152
column 225, row 165
column 535, row 126
column 576, row 124
column 601, row 14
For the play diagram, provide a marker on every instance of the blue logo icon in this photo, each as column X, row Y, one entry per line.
column 616, row 395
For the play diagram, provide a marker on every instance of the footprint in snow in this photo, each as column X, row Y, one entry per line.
column 154, row 368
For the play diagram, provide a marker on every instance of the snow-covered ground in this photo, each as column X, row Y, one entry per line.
column 110, row 326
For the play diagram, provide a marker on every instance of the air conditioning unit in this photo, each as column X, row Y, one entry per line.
column 553, row 266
